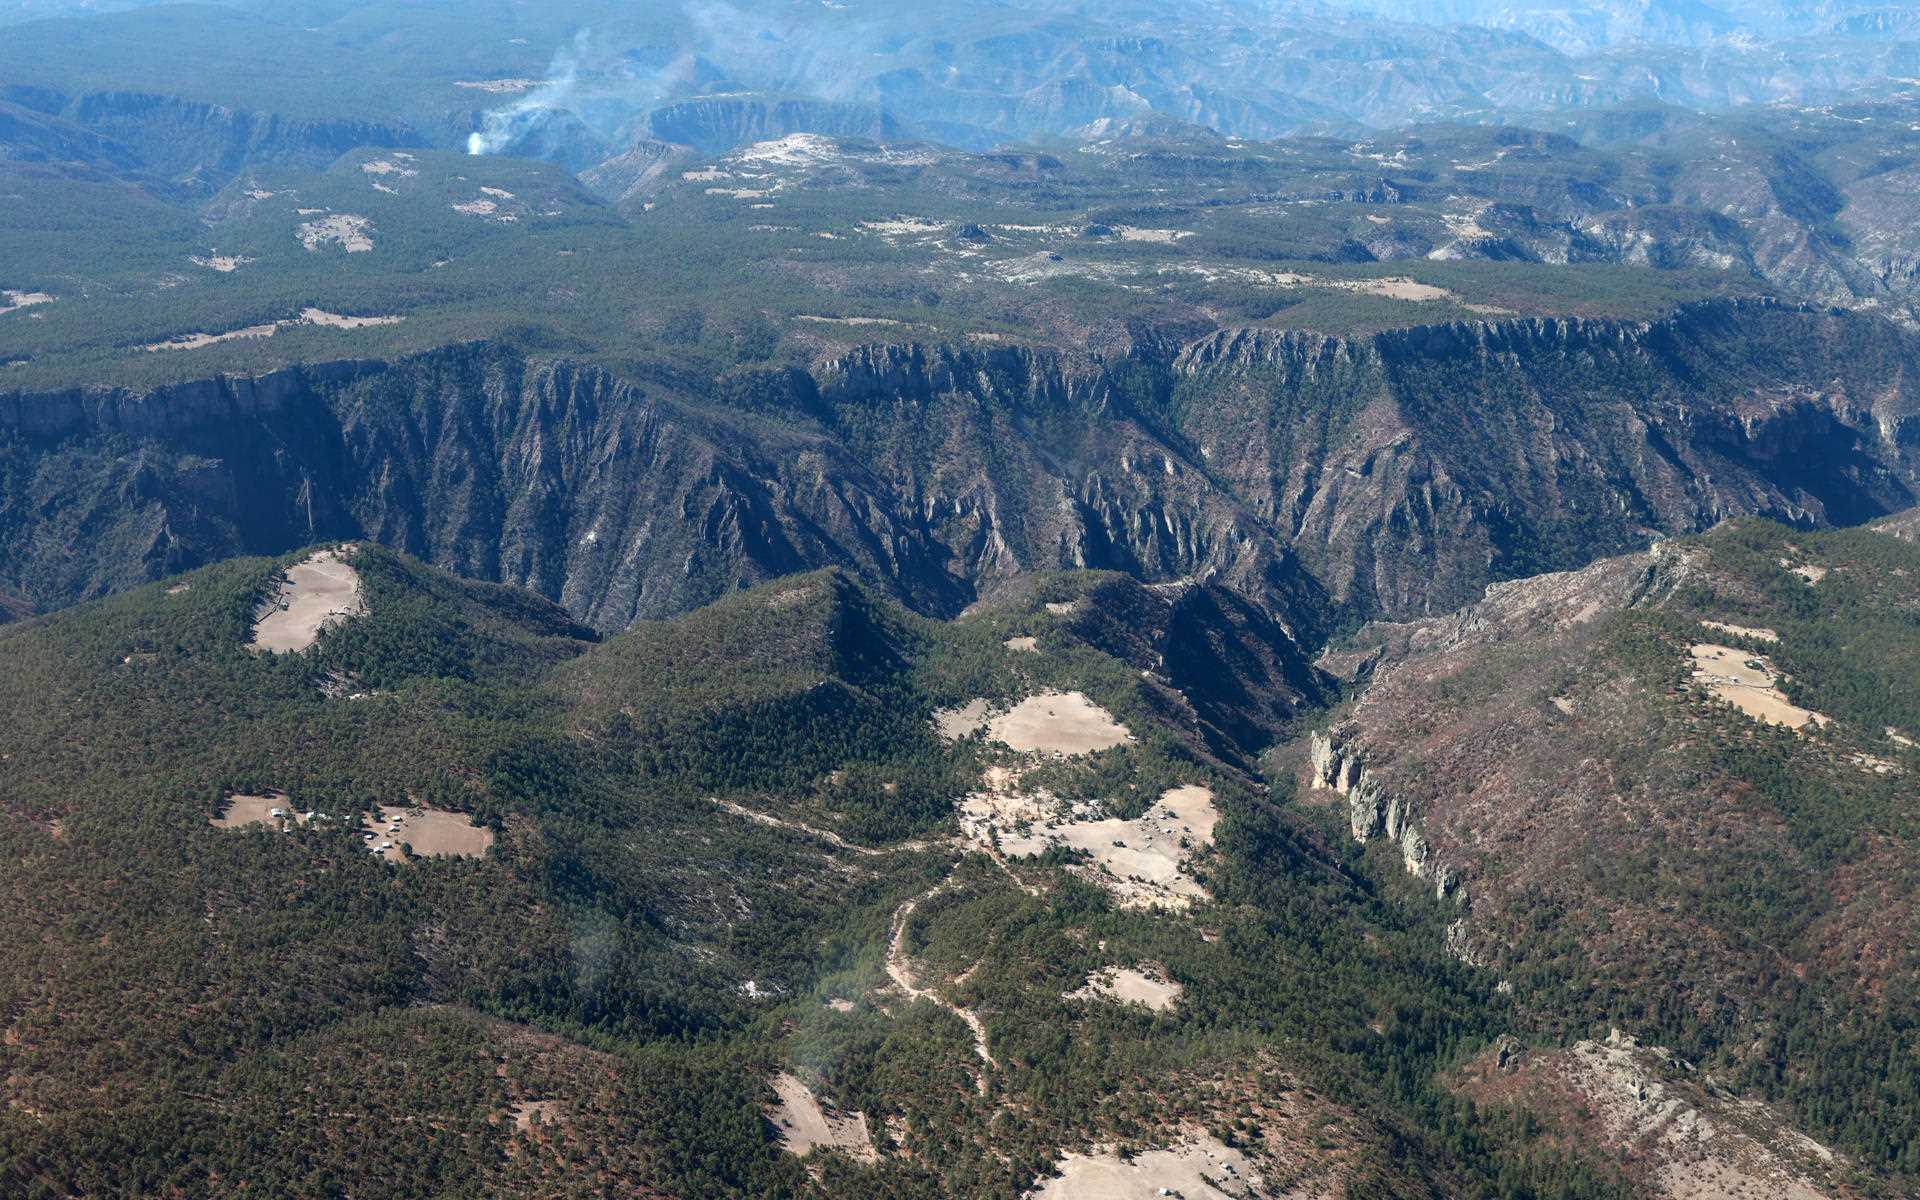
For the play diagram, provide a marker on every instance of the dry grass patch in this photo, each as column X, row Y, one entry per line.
column 1058, row 723
column 498, row 87
column 316, row 317
column 200, row 341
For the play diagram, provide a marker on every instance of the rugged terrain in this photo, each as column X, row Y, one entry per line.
column 698, row 905
column 1708, row 856
column 1235, row 599
column 1323, row 478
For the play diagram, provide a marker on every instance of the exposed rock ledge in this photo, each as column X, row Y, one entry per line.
column 1372, row 812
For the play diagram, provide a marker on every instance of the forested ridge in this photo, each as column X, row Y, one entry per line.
column 200, row 1010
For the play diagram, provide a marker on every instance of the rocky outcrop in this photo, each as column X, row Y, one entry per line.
column 1686, row 1135
column 1373, row 811
column 716, row 124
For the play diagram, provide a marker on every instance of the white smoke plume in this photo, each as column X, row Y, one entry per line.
column 501, row 126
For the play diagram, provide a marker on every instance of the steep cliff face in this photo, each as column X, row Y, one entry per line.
column 718, row 123
column 1408, row 471
column 206, row 144
column 1391, row 476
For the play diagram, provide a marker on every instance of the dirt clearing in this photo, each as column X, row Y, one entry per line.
column 1201, row 1169
column 1758, row 635
column 1139, row 861
column 547, row 1112
column 1808, row 572
column 349, row 231
column 1748, row 682
column 327, row 320
column 225, row 264
column 430, row 832
column 200, row 341
column 962, row 722
column 1128, row 985
column 805, row 1126
column 1058, row 723
column 318, row 318
column 317, row 593
column 15, row 301
column 271, row 808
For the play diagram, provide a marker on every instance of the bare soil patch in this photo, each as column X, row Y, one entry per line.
column 200, row 341
column 349, row 231
column 1024, row 645
column 965, row 721
column 1396, row 288
column 1758, row 635
column 1200, row 1169
column 1058, row 723
column 327, row 320
column 270, row 808
column 806, row 1126
column 780, row 601
column 430, row 832
column 225, row 264
column 317, row 317
column 524, row 1113
column 1128, row 985
column 904, row 227
column 1812, row 574
column 1139, row 861
column 317, row 593
column 1748, row 682
column 15, row 301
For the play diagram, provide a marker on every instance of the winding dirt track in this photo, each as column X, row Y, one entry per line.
column 900, row 971
column 899, row 966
